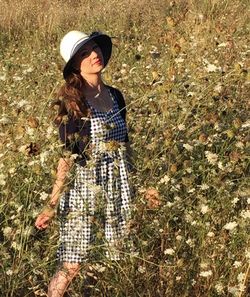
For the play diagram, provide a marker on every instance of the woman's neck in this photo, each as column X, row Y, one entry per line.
column 93, row 85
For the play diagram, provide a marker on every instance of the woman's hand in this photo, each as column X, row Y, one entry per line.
column 44, row 218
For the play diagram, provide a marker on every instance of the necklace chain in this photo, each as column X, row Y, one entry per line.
column 97, row 95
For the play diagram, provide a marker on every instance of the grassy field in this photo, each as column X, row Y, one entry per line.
column 183, row 67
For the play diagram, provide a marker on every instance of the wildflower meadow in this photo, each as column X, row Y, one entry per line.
column 183, row 67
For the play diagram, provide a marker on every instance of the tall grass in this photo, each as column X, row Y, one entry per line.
column 183, row 67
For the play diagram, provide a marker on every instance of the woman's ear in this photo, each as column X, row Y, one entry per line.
column 75, row 66
column 76, row 71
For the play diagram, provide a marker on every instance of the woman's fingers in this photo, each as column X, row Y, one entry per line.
column 42, row 222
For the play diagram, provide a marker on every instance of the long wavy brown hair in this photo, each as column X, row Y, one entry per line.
column 70, row 99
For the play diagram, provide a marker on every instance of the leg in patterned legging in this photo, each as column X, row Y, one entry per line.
column 62, row 279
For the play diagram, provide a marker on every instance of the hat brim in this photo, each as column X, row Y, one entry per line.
column 102, row 40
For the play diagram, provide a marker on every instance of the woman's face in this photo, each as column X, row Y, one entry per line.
column 89, row 60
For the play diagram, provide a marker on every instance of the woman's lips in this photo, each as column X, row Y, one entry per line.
column 97, row 62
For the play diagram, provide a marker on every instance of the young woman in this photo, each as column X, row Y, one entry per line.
column 92, row 125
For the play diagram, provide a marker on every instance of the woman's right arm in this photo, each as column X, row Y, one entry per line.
column 48, row 212
column 63, row 168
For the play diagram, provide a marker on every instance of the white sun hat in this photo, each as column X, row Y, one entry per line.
column 74, row 40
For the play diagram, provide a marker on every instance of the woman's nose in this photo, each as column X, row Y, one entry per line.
column 94, row 53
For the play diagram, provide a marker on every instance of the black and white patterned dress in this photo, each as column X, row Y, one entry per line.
column 95, row 210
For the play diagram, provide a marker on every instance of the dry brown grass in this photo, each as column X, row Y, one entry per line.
column 183, row 67
column 48, row 17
